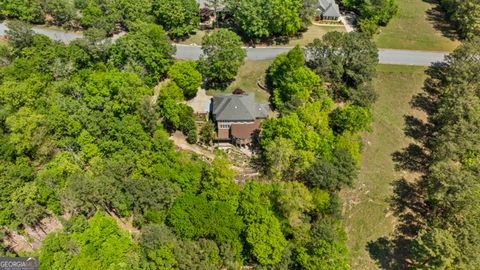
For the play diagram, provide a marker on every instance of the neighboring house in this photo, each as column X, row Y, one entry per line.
column 328, row 10
column 209, row 4
column 237, row 118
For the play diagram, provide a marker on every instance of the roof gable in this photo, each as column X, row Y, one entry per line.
column 237, row 108
column 329, row 8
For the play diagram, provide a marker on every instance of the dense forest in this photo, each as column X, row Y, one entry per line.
column 85, row 140
column 439, row 213
column 253, row 20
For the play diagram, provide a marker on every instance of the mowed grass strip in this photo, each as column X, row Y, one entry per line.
column 366, row 205
column 417, row 26
column 248, row 75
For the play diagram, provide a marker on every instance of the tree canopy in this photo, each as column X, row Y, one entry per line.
column 222, row 56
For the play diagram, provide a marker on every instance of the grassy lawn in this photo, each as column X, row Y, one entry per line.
column 194, row 38
column 415, row 28
column 248, row 76
column 313, row 32
column 365, row 206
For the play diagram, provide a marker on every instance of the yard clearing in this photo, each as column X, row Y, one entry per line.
column 366, row 205
column 313, row 32
column 419, row 25
column 247, row 79
column 195, row 38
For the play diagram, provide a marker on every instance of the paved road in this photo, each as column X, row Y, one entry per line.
column 58, row 35
column 387, row 56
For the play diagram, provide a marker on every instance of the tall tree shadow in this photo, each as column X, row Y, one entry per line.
column 412, row 158
column 437, row 16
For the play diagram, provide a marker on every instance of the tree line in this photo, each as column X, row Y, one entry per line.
column 254, row 20
column 439, row 212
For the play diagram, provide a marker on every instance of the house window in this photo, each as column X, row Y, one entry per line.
column 224, row 126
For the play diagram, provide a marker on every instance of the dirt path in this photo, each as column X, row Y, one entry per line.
column 236, row 157
column 179, row 140
column 32, row 240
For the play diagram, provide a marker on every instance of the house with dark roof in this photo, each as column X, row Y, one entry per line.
column 328, row 10
column 237, row 118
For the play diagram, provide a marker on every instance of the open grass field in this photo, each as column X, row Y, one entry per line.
column 366, row 205
column 248, row 76
column 417, row 26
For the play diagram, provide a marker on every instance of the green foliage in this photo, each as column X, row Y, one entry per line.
column 350, row 119
column 194, row 217
column 266, row 240
column 315, row 137
column 207, row 133
column 262, row 18
column 372, row 13
column 98, row 14
column 62, row 11
column 291, row 82
column 177, row 116
column 222, row 57
column 25, row 10
column 332, row 175
column 347, row 61
column 20, row 34
column 178, row 17
column 146, row 50
column 464, row 15
column 101, row 245
column 295, row 202
column 187, row 77
column 263, row 232
column 80, row 133
column 449, row 188
column 218, row 183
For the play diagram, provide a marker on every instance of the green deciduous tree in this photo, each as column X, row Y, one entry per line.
column 372, row 13
column 350, row 119
column 178, row 17
column 101, row 245
column 62, row 11
column 20, row 35
column 187, row 77
column 291, row 82
column 222, row 56
column 346, row 61
column 194, row 217
column 25, row 10
column 261, row 18
column 266, row 240
column 218, row 182
column 145, row 50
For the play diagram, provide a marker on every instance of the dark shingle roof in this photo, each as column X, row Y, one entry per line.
column 238, row 108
